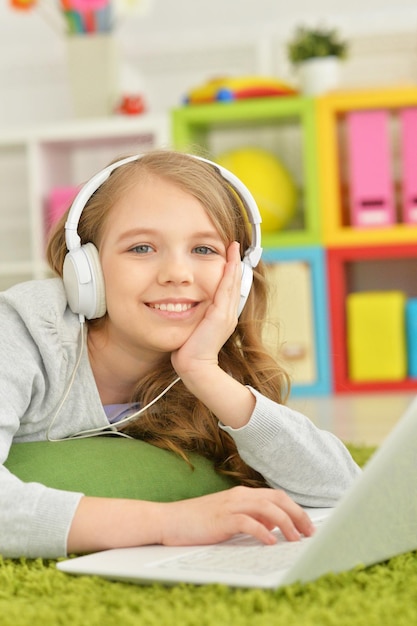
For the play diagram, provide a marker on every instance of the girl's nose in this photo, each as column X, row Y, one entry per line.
column 176, row 269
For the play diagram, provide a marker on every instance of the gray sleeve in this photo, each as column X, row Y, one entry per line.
column 34, row 519
column 311, row 465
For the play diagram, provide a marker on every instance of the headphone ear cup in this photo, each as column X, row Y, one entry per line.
column 245, row 284
column 84, row 282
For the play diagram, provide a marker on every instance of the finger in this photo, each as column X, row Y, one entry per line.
column 282, row 500
column 226, row 298
column 233, row 253
column 271, row 516
column 232, row 276
column 298, row 516
column 250, row 526
column 275, row 508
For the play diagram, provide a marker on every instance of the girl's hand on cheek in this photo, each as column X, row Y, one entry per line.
column 196, row 362
column 219, row 322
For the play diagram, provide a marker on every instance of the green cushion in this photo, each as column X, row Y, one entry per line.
column 114, row 467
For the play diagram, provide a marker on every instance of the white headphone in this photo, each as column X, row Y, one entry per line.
column 82, row 273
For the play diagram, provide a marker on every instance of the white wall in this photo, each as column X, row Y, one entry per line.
column 179, row 44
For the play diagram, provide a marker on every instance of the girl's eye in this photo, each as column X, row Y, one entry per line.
column 204, row 250
column 143, row 248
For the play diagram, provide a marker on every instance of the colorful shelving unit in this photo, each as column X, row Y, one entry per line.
column 368, row 167
column 359, row 227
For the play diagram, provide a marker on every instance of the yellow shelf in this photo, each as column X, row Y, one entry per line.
column 330, row 110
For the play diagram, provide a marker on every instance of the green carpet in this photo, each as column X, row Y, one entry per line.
column 33, row 592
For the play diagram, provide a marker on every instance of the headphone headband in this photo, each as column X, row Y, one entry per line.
column 82, row 275
column 72, row 239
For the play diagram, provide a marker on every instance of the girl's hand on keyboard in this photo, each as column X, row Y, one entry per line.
column 219, row 516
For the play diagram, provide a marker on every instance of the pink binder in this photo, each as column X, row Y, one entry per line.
column 372, row 196
column 408, row 125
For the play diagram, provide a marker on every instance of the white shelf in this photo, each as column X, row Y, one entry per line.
column 33, row 160
column 86, row 129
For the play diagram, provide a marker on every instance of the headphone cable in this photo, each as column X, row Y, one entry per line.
column 111, row 429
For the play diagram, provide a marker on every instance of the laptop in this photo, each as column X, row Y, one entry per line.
column 375, row 520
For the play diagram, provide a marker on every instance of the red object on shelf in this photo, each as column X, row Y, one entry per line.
column 338, row 288
column 131, row 105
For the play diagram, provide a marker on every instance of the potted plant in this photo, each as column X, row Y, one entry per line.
column 317, row 54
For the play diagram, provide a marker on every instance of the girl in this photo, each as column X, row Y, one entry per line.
column 165, row 236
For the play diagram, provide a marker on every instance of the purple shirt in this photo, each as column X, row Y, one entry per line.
column 116, row 412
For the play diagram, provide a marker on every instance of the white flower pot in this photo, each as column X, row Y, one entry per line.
column 319, row 75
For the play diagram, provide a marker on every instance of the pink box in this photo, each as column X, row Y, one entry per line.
column 408, row 124
column 372, row 194
column 59, row 200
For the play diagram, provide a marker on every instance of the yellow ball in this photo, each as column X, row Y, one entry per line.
column 269, row 182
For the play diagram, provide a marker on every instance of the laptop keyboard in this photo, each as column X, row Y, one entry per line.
column 243, row 555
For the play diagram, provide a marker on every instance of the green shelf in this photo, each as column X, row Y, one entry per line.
column 192, row 126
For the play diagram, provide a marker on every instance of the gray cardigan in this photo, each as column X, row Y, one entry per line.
column 40, row 344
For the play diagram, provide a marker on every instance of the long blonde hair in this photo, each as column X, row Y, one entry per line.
column 178, row 421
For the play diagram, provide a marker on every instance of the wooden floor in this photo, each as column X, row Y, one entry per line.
column 362, row 419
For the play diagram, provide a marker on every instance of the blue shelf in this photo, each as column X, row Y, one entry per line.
column 314, row 256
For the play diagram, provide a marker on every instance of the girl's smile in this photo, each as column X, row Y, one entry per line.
column 172, row 307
